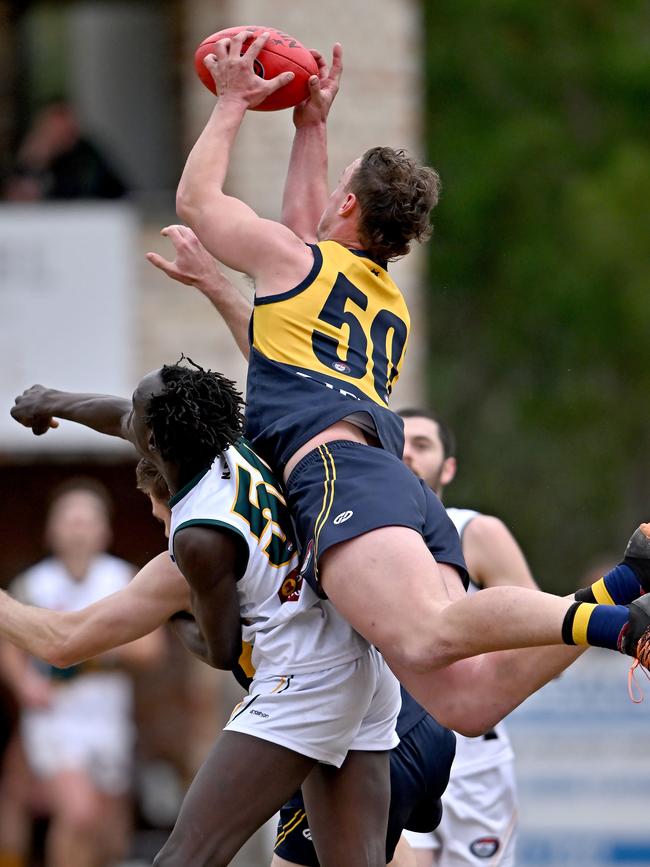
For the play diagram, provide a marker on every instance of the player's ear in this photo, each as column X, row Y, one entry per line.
column 348, row 206
column 448, row 471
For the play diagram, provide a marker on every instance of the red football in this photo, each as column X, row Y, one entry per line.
column 282, row 53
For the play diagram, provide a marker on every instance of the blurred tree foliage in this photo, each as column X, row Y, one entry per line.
column 539, row 310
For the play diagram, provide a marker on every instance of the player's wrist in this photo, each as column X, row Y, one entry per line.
column 233, row 103
column 318, row 125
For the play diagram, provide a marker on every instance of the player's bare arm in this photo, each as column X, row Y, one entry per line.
column 211, row 560
column 493, row 556
column 38, row 408
column 187, row 630
column 194, row 266
column 306, row 189
column 65, row 638
column 228, row 228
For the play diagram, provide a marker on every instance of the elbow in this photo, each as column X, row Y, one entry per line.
column 61, row 657
column 225, row 658
column 184, row 204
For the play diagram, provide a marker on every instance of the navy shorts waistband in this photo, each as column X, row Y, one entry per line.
column 314, row 455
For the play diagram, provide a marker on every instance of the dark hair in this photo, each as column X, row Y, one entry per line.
column 150, row 480
column 82, row 485
column 396, row 195
column 446, row 434
column 196, row 416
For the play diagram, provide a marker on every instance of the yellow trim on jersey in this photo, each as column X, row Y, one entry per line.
column 328, row 494
column 246, row 659
column 581, row 622
column 349, row 322
column 601, row 593
column 291, row 825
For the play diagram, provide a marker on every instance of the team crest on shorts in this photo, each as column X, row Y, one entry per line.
column 484, row 847
column 291, row 586
column 341, row 367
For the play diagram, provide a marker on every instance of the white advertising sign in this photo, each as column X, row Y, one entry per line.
column 66, row 311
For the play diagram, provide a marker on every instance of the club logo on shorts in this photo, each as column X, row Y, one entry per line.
column 341, row 367
column 343, row 517
column 307, row 833
column 484, row 847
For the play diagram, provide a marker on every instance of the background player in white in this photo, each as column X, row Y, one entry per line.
column 480, row 804
column 77, row 729
column 231, row 537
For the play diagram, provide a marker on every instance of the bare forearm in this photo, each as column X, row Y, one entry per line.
column 207, row 165
column 35, row 630
column 104, row 413
column 306, row 187
column 235, row 310
column 190, row 636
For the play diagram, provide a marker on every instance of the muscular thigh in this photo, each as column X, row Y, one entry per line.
column 397, row 586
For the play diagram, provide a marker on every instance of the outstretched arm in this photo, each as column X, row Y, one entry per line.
column 306, row 188
column 65, row 638
column 38, row 407
column 194, row 266
column 228, row 228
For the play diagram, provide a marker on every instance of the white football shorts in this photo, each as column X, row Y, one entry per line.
column 324, row 714
column 479, row 821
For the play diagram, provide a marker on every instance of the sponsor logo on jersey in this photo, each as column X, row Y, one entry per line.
column 291, row 587
column 484, row 847
column 343, row 517
column 226, row 473
column 341, row 367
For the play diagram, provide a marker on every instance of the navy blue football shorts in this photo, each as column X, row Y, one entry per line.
column 419, row 773
column 343, row 489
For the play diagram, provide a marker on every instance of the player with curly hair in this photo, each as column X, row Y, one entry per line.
column 322, row 705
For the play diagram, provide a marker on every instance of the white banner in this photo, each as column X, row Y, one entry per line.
column 66, row 311
column 583, row 768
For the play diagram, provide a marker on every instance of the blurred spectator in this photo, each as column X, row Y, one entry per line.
column 55, row 161
column 76, row 725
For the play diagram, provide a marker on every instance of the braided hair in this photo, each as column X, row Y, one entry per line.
column 196, row 416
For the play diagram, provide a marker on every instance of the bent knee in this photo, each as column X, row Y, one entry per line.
column 422, row 653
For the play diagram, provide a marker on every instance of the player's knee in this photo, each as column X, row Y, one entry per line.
column 422, row 653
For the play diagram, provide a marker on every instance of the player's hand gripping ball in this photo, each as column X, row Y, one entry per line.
column 282, row 53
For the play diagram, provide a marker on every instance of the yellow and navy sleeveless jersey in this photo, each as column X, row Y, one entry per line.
column 285, row 626
column 327, row 349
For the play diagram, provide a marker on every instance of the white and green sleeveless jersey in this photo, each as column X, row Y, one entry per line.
column 290, row 628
